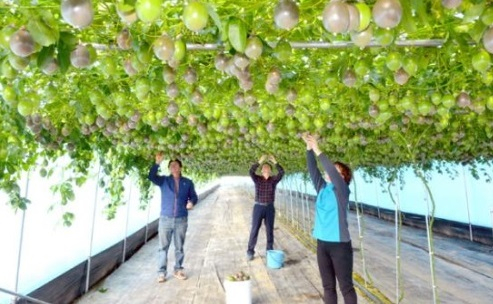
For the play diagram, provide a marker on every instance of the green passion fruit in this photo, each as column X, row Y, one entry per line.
column 195, row 16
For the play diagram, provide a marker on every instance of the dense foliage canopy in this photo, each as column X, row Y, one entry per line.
column 218, row 83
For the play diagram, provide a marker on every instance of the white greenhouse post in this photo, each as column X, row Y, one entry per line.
column 303, row 202
column 467, row 203
column 126, row 223
column 309, row 210
column 491, row 213
column 147, row 222
column 360, row 234
column 88, row 274
column 378, row 200
column 430, row 249
column 21, row 240
column 397, row 248
column 291, row 202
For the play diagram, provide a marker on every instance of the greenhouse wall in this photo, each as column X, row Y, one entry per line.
column 38, row 247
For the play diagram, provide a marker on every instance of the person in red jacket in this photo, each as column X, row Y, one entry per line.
column 177, row 197
column 265, row 190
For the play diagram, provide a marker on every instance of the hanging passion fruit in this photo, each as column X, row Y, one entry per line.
column 9, row 95
column 172, row 108
column 283, row 51
column 197, row 97
column 286, row 14
column 291, row 95
column 353, row 18
column 361, row 68
column 254, row 48
column 451, row 4
column 7, row 71
column 124, row 40
column 410, row 66
column 169, row 74
column 363, row 38
column 81, row 56
column 487, row 16
column 364, row 15
column 195, row 16
column 78, row 13
column 488, row 40
column 393, row 61
column 384, row 37
column 180, row 50
column 164, row 48
column 126, row 12
column 49, row 66
column 463, row 100
column 401, row 76
column 148, row 10
column 349, row 78
column 220, row 62
column 387, row 13
column 335, row 17
column 190, row 75
column 18, row 63
column 22, row 43
column 481, row 61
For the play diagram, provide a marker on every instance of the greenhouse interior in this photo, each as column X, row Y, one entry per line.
column 92, row 91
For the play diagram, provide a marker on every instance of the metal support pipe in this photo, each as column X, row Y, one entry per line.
column 301, row 45
column 126, row 224
column 327, row 45
column 21, row 239
column 491, row 213
column 397, row 248
column 303, row 201
column 147, row 222
column 88, row 272
column 378, row 200
column 429, row 234
column 467, row 204
column 360, row 233
column 20, row 296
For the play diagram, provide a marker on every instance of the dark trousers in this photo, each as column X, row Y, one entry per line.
column 266, row 213
column 335, row 261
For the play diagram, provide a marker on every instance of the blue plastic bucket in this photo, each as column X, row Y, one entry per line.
column 275, row 259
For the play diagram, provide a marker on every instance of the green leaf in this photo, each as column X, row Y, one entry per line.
column 237, row 34
column 477, row 31
column 407, row 21
column 68, row 39
column 41, row 32
column 63, row 56
column 45, row 53
column 473, row 12
column 211, row 9
column 68, row 218
column 420, row 9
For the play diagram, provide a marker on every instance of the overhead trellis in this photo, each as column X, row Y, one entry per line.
column 219, row 82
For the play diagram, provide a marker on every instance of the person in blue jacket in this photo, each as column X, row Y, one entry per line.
column 334, row 249
column 177, row 197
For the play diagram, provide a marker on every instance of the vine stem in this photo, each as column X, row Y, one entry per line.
column 398, row 225
column 368, row 278
column 430, row 218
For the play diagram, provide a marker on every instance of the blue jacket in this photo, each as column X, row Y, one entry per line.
column 170, row 205
column 331, row 207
